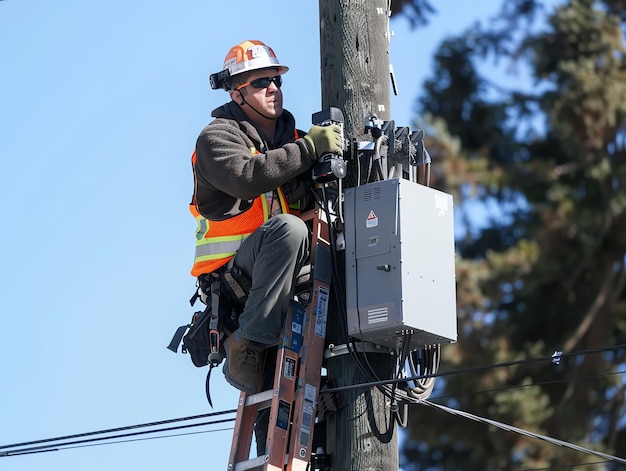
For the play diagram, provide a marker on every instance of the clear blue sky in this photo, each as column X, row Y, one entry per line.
column 100, row 106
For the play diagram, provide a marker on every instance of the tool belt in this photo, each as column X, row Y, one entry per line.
column 234, row 285
column 224, row 293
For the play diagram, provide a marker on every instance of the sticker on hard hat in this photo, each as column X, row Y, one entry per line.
column 257, row 51
column 230, row 62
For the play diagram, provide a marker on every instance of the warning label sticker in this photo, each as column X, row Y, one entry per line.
column 284, row 411
column 290, row 368
column 372, row 220
column 321, row 312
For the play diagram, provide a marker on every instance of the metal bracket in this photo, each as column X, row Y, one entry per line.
column 362, row 347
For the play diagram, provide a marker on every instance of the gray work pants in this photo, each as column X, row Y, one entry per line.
column 271, row 257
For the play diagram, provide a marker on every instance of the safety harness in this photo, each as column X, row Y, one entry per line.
column 224, row 293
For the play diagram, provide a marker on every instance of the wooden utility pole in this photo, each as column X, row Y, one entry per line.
column 354, row 46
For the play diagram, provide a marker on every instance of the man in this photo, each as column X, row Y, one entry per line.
column 249, row 166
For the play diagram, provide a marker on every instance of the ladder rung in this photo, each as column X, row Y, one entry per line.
column 262, row 399
column 256, row 463
column 292, row 401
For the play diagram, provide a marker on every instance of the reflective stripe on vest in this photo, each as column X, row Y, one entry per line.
column 218, row 241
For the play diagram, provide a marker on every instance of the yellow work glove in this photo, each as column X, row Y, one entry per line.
column 323, row 140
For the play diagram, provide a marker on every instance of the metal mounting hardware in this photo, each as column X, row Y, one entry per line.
column 362, row 347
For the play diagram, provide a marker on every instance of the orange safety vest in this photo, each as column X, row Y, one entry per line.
column 218, row 241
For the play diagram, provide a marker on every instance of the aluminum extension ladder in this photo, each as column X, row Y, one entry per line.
column 293, row 399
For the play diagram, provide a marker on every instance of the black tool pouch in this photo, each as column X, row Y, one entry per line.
column 224, row 293
column 196, row 342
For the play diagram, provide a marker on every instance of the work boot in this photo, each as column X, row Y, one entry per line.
column 244, row 361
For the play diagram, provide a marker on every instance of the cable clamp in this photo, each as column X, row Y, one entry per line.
column 361, row 347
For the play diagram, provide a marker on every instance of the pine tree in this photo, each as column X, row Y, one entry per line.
column 539, row 179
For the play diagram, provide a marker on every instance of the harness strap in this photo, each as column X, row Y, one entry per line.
column 177, row 338
column 215, row 305
column 234, row 285
column 195, row 297
column 215, row 357
column 237, row 284
column 207, row 384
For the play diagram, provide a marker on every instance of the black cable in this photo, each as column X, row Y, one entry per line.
column 367, row 370
column 123, row 441
column 360, row 359
column 322, row 201
column 564, row 466
column 542, row 383
column 79, row 444
column 119, row 429
column 472, row 370
column 53, row 447
column 22, row 451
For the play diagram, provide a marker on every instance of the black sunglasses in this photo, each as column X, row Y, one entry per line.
column 263, row 82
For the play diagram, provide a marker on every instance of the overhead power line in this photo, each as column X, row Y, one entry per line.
column 511, row 428
column 121, row 429
column 173, row 435
column 473, row 369
column 107, row 440
column 53, row 444
column 519, row 386
column 566, row 466
column 79, row 440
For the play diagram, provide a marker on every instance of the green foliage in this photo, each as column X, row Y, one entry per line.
column 417, row 11
column 543, row 268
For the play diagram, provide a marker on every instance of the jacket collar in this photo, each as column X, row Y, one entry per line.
column 285, row 124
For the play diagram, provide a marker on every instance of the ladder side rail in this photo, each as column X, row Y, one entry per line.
column 280, row 412
column 282, row 402
column 305, row 404
column 292, row 347
column 242, row 433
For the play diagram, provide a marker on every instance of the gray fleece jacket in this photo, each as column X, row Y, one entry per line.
column 228, row 178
